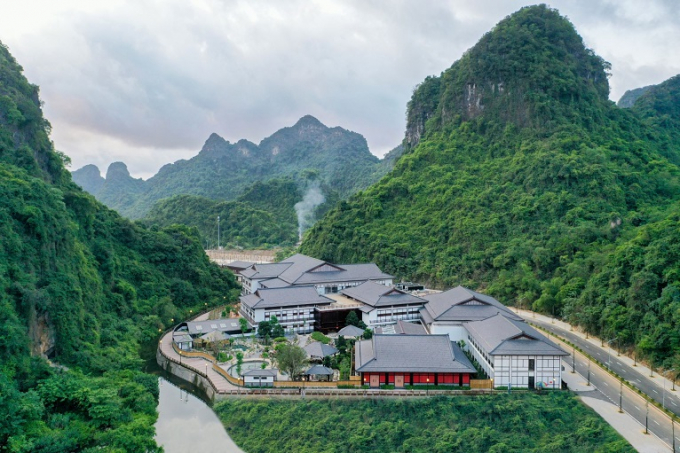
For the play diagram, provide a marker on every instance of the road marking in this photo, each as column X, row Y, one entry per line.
column 656, row 422
column 655, row 391
column 606, row 384
column 637, row 408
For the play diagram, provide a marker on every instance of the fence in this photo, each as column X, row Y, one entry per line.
column 478, row 384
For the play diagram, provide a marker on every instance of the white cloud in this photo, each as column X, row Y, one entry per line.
column 147, row 81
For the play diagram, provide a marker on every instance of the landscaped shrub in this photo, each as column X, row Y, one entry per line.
column 318, row 336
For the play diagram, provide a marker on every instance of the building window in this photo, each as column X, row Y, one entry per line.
column 531, row 364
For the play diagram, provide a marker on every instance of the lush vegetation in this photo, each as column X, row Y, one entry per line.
column 85, row 286
column 263, row 216
column 223, row 171
column 522, row 179
column 528, row 422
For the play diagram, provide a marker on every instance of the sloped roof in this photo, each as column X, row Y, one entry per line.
column 260, row 372
column 215, row 335
column 462, row 305
column 318, row 349
column 377, row 295
column 402, row 328
column 351, row 331
column 500, row 335
column 304, row 270
column 319, row 370
column 345, row 273
column 411, row 354
column 181, row 338
column 289, row 296
column 240, row 264
column 221, row 325
column 265, row 271
column 298, row 265
column 273, row 283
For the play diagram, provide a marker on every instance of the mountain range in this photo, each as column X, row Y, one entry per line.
column 338, row 158
column 521, row 178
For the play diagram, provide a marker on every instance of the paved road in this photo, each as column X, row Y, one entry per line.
column 656, row 388
column 658, row 423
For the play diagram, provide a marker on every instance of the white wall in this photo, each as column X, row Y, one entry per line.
column 255, row 381
column 390, row 315
column 456, row 332
column 515, row 369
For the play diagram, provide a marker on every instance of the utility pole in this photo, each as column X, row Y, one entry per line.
column 573, row 359
column 218, row 232
column 621, row 397
column 588, row 372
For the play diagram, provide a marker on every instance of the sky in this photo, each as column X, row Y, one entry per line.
column 147, row 81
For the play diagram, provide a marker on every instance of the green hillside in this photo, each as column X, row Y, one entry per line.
column 522, row 179
column 263, row 216
column 222, row 170
column 499, row 423
column 85, row 286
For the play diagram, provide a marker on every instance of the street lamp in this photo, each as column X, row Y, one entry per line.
column 427, row 388
column 573, row 359
column 609, row 356
column 621, row 397
column 647, row 417
column 588, row 372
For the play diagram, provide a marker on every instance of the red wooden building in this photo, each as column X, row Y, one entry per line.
column 403, row 360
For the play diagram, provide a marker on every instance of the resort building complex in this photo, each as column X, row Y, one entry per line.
column 420, row 337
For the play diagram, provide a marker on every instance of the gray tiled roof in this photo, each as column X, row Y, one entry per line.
column 402, row 328
column 298, row 265
column 240, row 264
column 181, row 338
column 318, row 349
column 377, row 295
column 351, row 331
column 264, row 271
column 304, row 270
column 273, row 283
column 410, row 354
column 266, row 372
column 221, row 325
column 461, row 305
column 289, row 296
column 319, row 369
column 346, row 273
column 500, row 335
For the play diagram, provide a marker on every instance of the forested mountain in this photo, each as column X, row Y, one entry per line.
column 521, row 178
column 630, row 96
column 223, row 170
column 84, row 285
column 265, row 215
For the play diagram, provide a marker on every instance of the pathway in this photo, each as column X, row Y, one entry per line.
column 197, row 364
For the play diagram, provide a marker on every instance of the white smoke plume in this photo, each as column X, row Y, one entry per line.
column 305, row 208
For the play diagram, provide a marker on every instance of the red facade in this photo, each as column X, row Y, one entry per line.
column 416, row 378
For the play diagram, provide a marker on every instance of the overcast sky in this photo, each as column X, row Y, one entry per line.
column 146, row 81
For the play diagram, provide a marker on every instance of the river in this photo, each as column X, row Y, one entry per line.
column 185, row 421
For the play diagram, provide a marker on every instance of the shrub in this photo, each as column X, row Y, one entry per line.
column 318, row 336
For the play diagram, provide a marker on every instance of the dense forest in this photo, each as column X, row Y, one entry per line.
column 525, row 422
column 520, row 178
column 263, row 216
column 222, row 170
column 85, row 286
